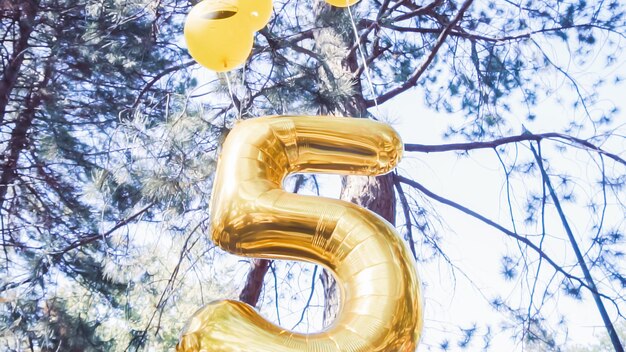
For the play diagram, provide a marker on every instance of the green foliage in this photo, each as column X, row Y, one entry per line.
column 85, row 69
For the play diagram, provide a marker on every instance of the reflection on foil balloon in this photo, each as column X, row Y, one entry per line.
column 220, row 33
column 252, row 216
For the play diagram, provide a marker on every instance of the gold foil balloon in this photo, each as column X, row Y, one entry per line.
column 342, row 3
column 219, row 36
column 252, row 216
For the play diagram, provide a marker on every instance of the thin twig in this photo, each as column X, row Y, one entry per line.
column 491, row 223
column 407, row 216
column 526, row 136
column 581, row 260
column 308, row 302
column 86, row 240
column 411, row 81
column 156, row 78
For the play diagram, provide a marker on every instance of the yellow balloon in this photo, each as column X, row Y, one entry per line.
column 259, row 12
column 218, row 34
column 252, row 216
column 342, row 3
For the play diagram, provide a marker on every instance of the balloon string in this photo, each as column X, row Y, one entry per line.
column 232, row 96
column 366, row 68
column 243, row 85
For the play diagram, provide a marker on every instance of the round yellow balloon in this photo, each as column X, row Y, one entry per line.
column 259, row 12
column 252, row 216
column 342, row 3
column 219, row 35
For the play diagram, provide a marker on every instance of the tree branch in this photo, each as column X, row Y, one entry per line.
column 579, row 256
column 493, row 224
column 86, row 240
column 308, row 301
column 472, row 36
column 406, row 209
column 156, row 78
column 19, row 141
column 418, row 11
column 526, row 136
column 412, row 81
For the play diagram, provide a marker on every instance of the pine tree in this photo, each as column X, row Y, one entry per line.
column 74, row 72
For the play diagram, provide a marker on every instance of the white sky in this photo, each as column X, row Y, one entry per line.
column 478, row 182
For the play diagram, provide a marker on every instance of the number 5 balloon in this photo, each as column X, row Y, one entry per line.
column 253, row 216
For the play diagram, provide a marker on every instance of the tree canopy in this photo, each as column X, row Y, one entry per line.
column 109, row 133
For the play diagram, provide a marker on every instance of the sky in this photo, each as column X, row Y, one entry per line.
column 478, row 181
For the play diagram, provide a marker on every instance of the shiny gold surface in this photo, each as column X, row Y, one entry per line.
column 253, row 216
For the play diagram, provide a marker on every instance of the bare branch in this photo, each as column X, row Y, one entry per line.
column 418, row 11
column 438, row 148
column 411, row 81
column 89, row 239
column 406, row 209
column 156, row 78
column 579, row 256
column 491, row 223
column 308, row 301
column 169, row 288
column 509, row 38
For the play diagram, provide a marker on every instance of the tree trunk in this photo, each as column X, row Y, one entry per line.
column 24, row 14
column 254, row 282
column 18, row 140
column 374, row 193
